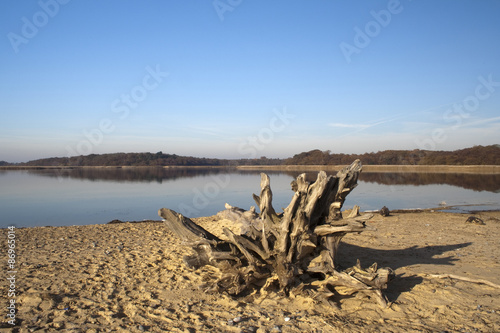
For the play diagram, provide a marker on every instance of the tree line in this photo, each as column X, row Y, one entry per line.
column 477, row 155
column 145, row 159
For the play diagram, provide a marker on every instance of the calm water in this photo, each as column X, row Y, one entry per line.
column 92, row 196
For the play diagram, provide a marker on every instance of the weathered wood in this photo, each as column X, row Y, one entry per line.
column 209, row 248
column 288, row 249
column 264, row 201
column 184, row 228
column 354, row 211
column 461, row 278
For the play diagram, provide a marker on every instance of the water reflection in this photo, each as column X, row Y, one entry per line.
column 137, row 174
column 475, row 182
column 38, row 197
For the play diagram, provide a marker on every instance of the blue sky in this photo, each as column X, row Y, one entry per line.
column 247, row 78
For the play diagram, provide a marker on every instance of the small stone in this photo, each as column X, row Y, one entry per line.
column 276, row 329
column 287, row 318
column 237, row 319
column 475, row 220
column 384, row 211
column 230, row 322
column 141, row 328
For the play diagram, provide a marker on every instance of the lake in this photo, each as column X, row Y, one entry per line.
column 61, row 197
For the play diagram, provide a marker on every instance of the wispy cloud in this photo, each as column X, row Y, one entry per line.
column 357, row 126
column 361, row 127
column 211, row 131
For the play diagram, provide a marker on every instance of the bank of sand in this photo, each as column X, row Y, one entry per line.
column 130, row 277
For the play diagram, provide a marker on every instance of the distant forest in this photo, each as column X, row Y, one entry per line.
column 145, row 159
column 477, row 155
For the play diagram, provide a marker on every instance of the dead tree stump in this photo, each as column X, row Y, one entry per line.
column 295, row 251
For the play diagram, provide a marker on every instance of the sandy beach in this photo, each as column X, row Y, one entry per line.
column 130, row 277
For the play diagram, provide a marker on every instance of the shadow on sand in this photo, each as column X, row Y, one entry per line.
column 414, row 255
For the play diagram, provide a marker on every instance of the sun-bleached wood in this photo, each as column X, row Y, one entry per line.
column 293, row 252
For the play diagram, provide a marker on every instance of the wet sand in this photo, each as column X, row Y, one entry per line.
column 130, row 277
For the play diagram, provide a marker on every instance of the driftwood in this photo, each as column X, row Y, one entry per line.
column 461, row 278
column 292, row 252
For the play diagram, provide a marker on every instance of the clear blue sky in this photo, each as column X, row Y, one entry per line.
column 247, row 78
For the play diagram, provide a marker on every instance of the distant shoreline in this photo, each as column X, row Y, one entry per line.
column 475, row 169
column 486, row 169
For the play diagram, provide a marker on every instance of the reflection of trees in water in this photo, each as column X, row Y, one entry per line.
column 476, row 182
column 138, row 174
column 129, row 174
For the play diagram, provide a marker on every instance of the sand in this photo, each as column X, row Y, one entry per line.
column 130, row 277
